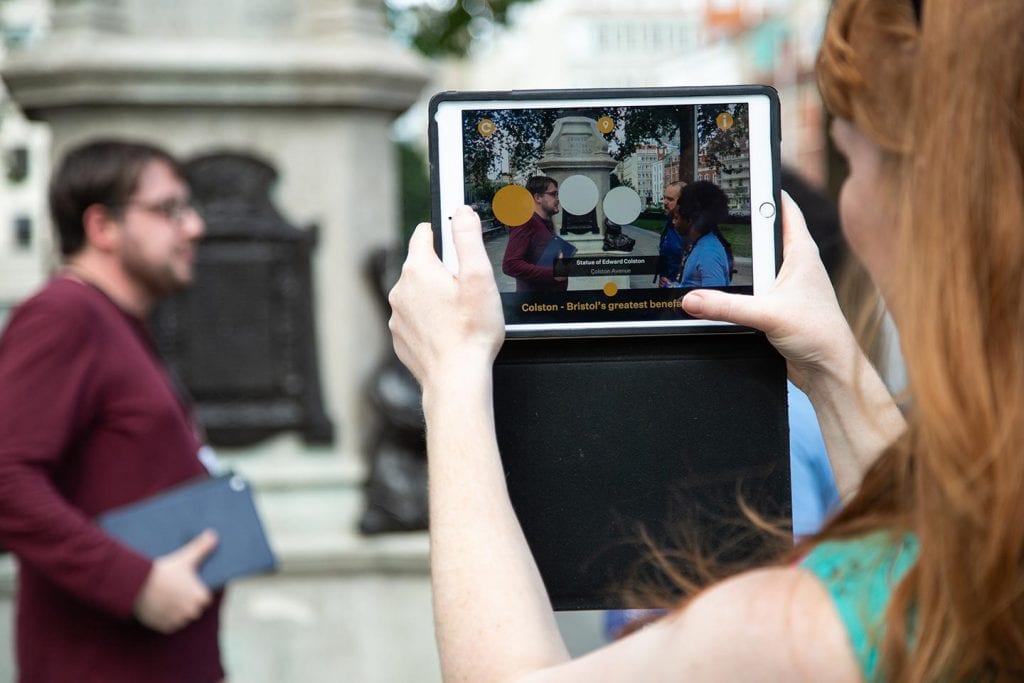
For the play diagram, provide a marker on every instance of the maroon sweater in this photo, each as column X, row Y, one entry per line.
column 89, row 421
column 526, row 244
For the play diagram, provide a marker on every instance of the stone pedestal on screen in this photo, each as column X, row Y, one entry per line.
column 576, row 154
column 577, row 148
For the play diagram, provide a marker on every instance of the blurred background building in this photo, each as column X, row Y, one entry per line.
column 601, row 43
column 332, row 95
column 25, row 242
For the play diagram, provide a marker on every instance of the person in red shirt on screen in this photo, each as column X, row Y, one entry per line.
column 528, row 242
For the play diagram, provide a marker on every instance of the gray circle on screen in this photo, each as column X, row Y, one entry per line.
column 622, row 205
column 578, row 195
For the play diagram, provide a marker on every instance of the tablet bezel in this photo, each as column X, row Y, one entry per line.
column 448, row 186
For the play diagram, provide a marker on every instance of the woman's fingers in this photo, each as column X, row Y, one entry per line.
column 741, row 309
column 795, row 235
column 422, row 240
column 437, row 318
column 468, row 240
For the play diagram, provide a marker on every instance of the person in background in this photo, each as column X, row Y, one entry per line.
column 90, row 421
column 815, row 495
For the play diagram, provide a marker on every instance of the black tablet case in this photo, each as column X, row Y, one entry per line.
column 163, row 523
column 601, row 438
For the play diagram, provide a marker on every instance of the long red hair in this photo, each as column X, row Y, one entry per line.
column 943, row 97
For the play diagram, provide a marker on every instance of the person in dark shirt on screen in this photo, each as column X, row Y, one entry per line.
column 528, row 242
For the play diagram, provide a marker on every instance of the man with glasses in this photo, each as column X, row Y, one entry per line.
column 89, row 421
column 525, row 256
column 671, row 245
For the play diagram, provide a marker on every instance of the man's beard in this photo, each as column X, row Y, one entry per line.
column 159, row 280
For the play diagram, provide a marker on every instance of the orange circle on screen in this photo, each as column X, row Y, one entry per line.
column 486, row 127
column 512, row 205
column 611, row 289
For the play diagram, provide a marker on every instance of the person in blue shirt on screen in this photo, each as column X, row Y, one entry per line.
column 671, row 245
column 709, row 262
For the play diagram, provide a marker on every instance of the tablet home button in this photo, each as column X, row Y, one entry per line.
column 767, row 209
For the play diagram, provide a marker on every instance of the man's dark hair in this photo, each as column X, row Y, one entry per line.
column 538, row 184
column 101, row 172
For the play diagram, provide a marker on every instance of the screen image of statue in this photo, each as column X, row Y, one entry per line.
column 610, row 200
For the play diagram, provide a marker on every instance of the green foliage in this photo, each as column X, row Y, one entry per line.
column 414, row 188
column 651, row 224
column 511, row 152
column 649, row 126
column 513, row 148
column 716, row 142
column 448, row 28
column 738, row 235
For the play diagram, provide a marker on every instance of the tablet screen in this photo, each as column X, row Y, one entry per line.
column 601, row 211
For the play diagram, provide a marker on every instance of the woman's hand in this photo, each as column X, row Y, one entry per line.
column 799, row 314
column 441, row 323
column 802, row 319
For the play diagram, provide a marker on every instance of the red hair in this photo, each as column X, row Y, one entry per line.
column 944, row 100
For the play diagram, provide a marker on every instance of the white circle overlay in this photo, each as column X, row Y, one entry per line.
column 622, row 205
column 578, row 195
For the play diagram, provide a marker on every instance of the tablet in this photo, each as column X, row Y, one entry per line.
column 602, row 208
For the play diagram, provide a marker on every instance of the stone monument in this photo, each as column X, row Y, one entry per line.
column 576, row 147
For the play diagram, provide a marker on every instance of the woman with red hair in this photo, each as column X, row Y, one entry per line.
column 921, row 576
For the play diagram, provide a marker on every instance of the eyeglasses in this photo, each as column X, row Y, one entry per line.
column 553, row 193
column 175, row 210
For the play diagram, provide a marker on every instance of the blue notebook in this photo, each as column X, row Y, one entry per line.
column 556, row 246
column 163, row 523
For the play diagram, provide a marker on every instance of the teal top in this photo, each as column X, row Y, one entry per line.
column 860, row 575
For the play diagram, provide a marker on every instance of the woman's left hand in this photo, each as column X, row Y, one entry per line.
column 443, row 324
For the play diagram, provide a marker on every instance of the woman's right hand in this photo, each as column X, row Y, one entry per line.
column 799, row 314
column 802, row 319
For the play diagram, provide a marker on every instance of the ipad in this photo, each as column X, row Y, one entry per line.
column 602, row 208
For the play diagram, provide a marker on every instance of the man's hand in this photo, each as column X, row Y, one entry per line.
column 560, row 268
column 173, row 596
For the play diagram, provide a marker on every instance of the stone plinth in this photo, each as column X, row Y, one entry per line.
column 576, row 147
column 312, row 88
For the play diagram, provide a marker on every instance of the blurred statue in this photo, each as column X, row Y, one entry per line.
column 396, row 490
